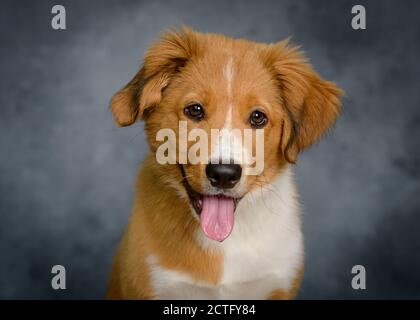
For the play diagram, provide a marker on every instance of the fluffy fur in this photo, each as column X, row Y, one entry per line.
column 164, row 253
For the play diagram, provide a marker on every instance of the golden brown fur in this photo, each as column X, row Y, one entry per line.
column 184, row 67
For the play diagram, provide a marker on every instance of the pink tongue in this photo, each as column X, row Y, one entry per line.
column 217, row 217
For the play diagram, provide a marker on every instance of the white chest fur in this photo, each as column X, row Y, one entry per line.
column 263, row 253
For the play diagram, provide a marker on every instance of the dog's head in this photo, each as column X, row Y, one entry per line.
column 206, row 81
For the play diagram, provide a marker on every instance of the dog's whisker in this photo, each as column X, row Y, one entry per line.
column 271, row 188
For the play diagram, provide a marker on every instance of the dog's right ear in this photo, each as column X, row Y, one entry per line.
column 162, row 61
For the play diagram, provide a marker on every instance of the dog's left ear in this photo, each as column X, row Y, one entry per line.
column 310, row 102
column 161, row 62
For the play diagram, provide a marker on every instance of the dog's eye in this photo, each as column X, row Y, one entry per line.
column 258, row 119
column 194, row 111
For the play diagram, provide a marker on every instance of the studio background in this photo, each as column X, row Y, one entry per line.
column 67, row 173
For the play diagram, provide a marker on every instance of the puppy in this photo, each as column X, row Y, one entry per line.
column 208, row 230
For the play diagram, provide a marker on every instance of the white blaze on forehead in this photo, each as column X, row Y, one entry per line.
column 228, row 144
column 228, row 73
column 224, row 148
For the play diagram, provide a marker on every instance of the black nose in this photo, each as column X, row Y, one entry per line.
column 223, row 176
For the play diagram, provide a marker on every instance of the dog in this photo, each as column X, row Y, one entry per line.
column 208, row 230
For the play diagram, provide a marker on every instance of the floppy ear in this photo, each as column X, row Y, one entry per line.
column 310, row 102
column 162, row 61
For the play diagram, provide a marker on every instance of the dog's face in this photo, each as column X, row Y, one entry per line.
column 209, row 82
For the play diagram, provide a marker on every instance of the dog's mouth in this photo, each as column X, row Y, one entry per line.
column 216, row 212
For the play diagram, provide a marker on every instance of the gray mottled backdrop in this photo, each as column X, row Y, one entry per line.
column 67, row 174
